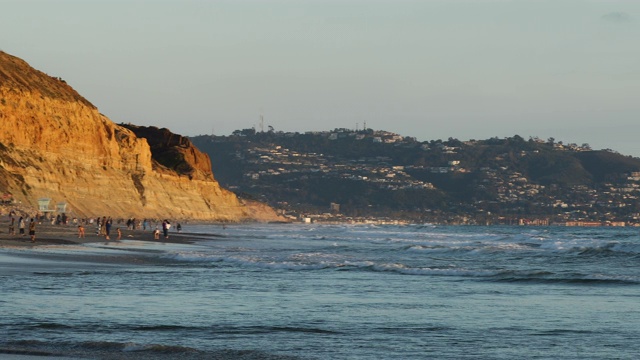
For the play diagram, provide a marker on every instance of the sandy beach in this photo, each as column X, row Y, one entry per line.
column 48, row 234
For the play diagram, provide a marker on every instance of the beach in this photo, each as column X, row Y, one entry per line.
column 67, row 234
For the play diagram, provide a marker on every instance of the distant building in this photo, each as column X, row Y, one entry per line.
column 335, row 207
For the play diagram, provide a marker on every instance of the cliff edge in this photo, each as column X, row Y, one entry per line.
column 55, row 144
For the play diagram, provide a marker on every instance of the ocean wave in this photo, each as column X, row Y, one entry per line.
column 537, row 247
column 160, row 327
column 155, row 348
column 412, row 329
column 593, row 247
column 492, row 248
column 251, row 330
column 95, row 349
column 556, row 332
column 456, row 261
column 48, row 325
column 128, row 350
column 433, row 271
column 545, row 277
column 254, row 261
column 224, row 329
column 321, row 261
column 421, row 248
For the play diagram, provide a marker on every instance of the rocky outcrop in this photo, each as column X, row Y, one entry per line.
column 174, row 153
column 55, row 144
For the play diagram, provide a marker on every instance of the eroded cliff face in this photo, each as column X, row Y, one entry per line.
column 55, row 144
column 174, row 153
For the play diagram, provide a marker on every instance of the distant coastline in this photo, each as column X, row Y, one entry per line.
column 374, row 175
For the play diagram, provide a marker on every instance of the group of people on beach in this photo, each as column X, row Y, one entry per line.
column 103, row 226
column 22, row 225
column 166, row 225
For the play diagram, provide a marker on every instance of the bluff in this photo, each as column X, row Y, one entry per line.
column 55, row 144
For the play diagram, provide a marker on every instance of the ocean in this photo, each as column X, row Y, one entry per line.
column 309, row 291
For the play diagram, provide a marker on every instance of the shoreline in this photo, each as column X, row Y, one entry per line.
column 48, row 234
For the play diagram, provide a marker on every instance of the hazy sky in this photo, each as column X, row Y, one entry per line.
column 433, row 69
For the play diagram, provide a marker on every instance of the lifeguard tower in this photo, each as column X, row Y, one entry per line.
column 43, row 207
column 61, row 207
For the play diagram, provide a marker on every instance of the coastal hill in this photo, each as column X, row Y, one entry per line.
column 376, row 174
column 55, row 144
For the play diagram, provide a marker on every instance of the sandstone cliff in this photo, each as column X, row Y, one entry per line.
column 55, row 144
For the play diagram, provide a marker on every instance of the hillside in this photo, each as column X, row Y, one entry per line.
column 371, row 173
column 55, row 144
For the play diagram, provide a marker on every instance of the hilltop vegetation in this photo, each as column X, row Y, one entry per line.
column 371, row 173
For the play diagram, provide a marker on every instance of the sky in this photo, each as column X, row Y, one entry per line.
column 431, row 69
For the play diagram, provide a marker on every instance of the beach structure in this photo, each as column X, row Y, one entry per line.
column 61, row 207
column 43, row 207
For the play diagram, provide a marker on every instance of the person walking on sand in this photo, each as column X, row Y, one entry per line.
column 80, row 231
column 32, row 230
column 119, row 234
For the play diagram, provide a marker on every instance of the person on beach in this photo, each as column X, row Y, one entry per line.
column 21, row 225
column 145, row 224
column 119, row 234
column 165, row 228
column 179, row 228
column 32, row 230
column 80, row 231
column 12, row 227
column 107, row 228
column 156, row 234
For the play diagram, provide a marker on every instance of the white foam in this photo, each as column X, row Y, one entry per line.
column 402, row 269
